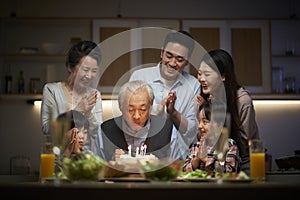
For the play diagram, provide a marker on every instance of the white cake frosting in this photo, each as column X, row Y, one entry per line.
column 128, row 159
column 133, row 164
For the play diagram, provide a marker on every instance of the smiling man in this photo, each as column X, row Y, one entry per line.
column 174, row 89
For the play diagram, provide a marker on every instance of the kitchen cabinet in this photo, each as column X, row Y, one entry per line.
column 18, row 34
column 248, row 42
column 21, row 48
column 136, row 46
column 285, row 37
column 267, row 42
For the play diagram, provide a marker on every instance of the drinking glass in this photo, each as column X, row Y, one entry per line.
column 47, row 158
column 257, row 159
column 277, row 80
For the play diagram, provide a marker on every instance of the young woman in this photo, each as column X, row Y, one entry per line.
column 216, row 71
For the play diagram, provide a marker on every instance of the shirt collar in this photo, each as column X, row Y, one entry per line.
column 179, row 80
column 142, row 133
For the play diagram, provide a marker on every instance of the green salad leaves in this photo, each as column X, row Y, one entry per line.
column 83, row 166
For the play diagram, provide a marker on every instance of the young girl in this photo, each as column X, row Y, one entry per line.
column 203, row 153
column 75, row 137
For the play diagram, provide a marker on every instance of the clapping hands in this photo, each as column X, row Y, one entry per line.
column 72, row 144
column 87, row 102
column 168, row 102
column 202, row 150
column 200, row 100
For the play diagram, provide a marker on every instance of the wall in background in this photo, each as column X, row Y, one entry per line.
column 20, row 130
column 279, row 127
column 155, row 8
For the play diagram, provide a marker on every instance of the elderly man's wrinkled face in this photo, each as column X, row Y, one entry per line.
column 138, row 109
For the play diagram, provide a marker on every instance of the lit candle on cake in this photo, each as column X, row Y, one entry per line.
column 142, row 150
column 137, row 151
column 129, row 150
column 145, row 147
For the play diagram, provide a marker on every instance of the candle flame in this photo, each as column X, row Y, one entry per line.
column 129, row 150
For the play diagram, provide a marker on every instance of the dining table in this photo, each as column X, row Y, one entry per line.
column 274, row 186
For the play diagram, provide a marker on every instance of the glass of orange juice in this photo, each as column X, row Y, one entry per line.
column 47, row 158
column 257, row 159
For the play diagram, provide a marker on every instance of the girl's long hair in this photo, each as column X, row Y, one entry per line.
column 225, row 66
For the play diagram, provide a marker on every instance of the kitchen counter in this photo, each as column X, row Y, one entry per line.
column 255, row 96
column 261, row 96
column 18, row 178
column 106, row 96
column 150, row 190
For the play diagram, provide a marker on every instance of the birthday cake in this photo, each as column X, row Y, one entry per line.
column 130, row 162
column 138, row 159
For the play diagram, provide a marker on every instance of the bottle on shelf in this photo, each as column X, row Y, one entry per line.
column 21, row 83
column 8, row 84
column 277, row 80
column 8, row 81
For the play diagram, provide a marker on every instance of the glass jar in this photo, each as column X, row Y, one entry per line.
column 277, row 84
column 290, row 84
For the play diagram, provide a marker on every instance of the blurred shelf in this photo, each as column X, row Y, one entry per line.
column 27, row 96
column 20, row 96
column 33, row 57
column 107, row 96
column 262, row 96
column 285, row 56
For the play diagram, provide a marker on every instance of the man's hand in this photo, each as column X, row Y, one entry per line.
column 160, row 109
column 170, row 102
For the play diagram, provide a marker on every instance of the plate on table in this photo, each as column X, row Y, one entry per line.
column 195, row 180
column 53, row 179
column 124, row 179
column 238, row 180
column 280, row 172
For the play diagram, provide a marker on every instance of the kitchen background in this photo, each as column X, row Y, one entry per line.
column 26, row 25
